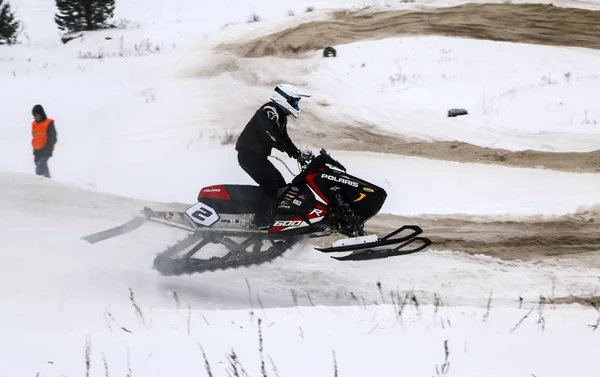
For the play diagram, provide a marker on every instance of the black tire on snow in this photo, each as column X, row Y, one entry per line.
column 329, row 52
column 456, row 112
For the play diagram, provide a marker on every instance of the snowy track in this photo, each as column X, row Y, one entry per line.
column 67, row 296
column 93, row 276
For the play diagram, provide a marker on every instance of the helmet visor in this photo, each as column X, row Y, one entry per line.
column 294, row 102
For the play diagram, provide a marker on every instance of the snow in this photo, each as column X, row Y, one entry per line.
column 449, row 187
column 103, row 270
column 140, row 113
column 418, row 79
column 320, row 341
column 143, row 127
column 60, row 287
column 134, row 110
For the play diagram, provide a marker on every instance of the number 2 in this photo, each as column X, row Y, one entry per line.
column 202, row 214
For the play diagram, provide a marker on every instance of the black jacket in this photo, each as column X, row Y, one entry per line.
column 266, row 130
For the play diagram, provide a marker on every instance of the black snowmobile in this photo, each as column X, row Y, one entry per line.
column 322, row 200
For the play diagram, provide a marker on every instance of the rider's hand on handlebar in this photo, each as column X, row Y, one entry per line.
column 304, row 151
column 305, row 155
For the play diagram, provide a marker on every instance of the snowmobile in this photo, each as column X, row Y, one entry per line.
column 323, row 199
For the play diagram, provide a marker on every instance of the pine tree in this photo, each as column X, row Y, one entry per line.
column 83, row 15
column 8, row 25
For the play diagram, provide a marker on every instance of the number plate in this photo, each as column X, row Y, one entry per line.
column 202, row 214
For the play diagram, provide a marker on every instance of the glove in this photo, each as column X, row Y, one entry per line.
column 305, row 155
column 304, row 151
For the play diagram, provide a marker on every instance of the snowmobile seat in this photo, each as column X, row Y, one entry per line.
column 233, row 199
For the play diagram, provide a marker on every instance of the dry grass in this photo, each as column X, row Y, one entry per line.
column 400, row 300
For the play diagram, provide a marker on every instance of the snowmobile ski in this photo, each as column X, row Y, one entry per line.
column 370, row 254
column 384, row 241
column 373, row 249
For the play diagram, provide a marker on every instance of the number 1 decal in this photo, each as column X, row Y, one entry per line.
column 202, row 214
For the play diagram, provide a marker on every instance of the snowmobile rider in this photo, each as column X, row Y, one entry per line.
column 266, row 130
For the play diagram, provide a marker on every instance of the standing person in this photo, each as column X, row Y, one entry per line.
column 43, row 141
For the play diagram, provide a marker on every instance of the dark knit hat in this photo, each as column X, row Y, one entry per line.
column 38, row 109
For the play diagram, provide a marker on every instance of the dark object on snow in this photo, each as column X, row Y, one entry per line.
column 67, row 37
column 329, row 52
column 456, row 112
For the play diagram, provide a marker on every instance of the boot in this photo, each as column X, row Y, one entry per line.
column 264, row 218
column 262, row 221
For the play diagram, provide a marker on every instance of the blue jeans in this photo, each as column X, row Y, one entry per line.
column 41, row 167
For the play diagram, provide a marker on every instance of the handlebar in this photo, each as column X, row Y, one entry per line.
column 306, row 157
column 304, row 160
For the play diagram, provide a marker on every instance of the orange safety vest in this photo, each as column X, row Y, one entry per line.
column 40, row 133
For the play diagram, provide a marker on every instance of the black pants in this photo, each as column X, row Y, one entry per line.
column 266, row 175
column 263, row 172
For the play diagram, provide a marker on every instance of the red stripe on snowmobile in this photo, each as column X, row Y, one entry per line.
column 310, row 179
column 214, row 192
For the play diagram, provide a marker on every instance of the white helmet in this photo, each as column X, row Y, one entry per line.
column 288, row 96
